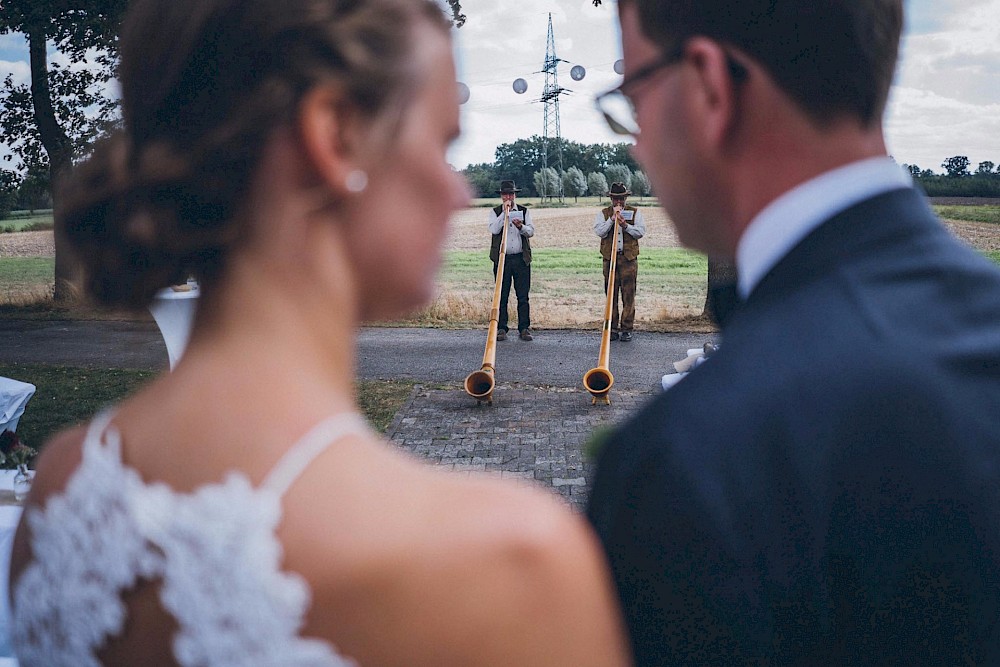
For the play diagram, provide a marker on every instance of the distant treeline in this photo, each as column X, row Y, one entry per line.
column 586, row 169
column 958, row 180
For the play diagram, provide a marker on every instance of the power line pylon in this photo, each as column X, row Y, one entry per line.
column 550, row 103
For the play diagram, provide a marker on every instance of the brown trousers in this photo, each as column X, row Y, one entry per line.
column 626, row 272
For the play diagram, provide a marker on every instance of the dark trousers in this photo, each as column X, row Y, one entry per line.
column 626, row 272
column 515, row 270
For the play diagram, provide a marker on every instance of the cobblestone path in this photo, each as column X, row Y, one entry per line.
column 531, row 433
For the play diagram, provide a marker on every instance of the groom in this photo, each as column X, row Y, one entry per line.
column 826, row 488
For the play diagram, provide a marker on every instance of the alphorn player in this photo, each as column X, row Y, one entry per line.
column 622, row 238
column 517, row 265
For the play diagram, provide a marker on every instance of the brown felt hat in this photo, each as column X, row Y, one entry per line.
column 507, row 187
column 619, row 190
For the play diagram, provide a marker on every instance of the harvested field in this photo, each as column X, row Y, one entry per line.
column 557, row 228
column 561, row 295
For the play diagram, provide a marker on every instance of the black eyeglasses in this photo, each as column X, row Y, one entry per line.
column 616, row 104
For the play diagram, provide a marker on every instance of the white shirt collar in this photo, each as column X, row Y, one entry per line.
column 792, row 216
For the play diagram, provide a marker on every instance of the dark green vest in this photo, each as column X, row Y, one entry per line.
column 495, row 245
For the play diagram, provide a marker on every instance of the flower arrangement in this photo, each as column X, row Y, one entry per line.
column 13, row 453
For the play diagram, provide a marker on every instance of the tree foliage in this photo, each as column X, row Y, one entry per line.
column 59, row 97
column 520, row 159
column 985, row 168
column 956, row 166
column 457, row 17
column 547, row 182
column 81, row 108
column 640, row 184
column 9, row 183
column 618, row 173
column 574, row 182
column 597, row 184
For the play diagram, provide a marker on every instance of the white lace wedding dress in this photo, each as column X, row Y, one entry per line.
column 214, row 551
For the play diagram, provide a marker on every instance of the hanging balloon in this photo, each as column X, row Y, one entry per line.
column 578, row 72
column 463, row 93
column 520, row 85
column 619, row 66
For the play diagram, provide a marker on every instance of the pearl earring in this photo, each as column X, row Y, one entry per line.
column 356, row 181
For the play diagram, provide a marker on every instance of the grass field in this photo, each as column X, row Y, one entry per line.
column 989, row 214
column 567, row 283
column 24, row 279
column 68, row 395
column 16, row 223
column 567, row 288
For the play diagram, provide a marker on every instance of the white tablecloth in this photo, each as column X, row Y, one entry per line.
column 14, row 396
column 174, row 314
column 10, row 514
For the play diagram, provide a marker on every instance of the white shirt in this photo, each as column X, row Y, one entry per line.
column 792, row 216
column 636, row 230
column 513, row 233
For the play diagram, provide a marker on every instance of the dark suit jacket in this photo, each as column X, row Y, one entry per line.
column 826, row 488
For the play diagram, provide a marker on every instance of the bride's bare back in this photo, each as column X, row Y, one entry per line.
column 291, row 155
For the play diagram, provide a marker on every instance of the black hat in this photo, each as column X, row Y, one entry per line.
column 619, row 190
column 507, row 188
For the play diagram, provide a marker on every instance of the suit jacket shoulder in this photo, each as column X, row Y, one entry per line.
column 802, row 495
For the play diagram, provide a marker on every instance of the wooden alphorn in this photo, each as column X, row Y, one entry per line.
column 598, row 380
column 479, row 384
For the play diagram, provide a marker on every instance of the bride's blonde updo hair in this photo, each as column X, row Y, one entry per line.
column 204, row 83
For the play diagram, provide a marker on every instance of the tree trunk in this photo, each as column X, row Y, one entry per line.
column 721, row 297
column 58, row 148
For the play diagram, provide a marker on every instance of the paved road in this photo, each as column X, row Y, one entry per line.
column 536, row 430
column 434, row 356
column 553, row 358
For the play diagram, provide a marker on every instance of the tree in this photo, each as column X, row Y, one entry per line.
column 640, row 184
column 482, row 178
column 985, row 168
column 721, row 275
column 8, row 191
column 520, row 160
column 75, row 27
column 34, row 191
column 575, row 183
column 618, row 173
column 926, row 173
column 546, row 182
column 913, row 169
column 458, row 18
column 597, row 184
column 957, row 166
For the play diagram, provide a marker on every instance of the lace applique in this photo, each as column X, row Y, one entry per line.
column 214, row 550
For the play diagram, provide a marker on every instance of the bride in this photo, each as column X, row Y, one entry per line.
column 290, row 154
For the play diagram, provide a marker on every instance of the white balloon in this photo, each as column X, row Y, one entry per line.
column 463, row 93
column 578, row 72
column 520, row 85
column 619, row 66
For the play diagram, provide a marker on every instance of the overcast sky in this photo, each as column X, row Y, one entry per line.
column 945, row 101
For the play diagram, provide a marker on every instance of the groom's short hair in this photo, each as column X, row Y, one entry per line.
column 833, row 57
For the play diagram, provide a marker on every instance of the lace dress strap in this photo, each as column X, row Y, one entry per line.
column 98, row 426
column 311, row 445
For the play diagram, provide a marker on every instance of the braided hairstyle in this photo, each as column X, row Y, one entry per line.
column 204, row 83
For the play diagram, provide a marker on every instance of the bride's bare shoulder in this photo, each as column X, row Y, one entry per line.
column 471, row 570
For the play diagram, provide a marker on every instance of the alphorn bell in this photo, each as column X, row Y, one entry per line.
column 479, row 384
column 598, row 380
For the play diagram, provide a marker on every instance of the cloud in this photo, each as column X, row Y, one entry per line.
column 946, row 100
column 505, row 41
column 20, row 70
column 925, row 128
